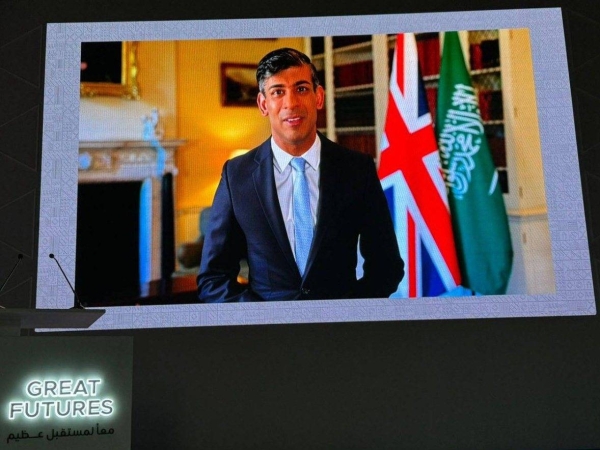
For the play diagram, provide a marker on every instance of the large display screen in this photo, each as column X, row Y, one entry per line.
column 139, row 119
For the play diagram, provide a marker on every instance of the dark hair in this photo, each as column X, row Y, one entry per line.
column 281, row 59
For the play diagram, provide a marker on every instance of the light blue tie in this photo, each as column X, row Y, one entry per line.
column 303, row 223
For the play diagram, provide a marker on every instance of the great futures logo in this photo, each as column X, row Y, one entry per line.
column 64, row 397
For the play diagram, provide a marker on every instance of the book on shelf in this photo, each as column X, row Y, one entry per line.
column 353, row 74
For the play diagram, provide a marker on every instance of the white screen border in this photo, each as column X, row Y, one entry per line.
column 60, row 145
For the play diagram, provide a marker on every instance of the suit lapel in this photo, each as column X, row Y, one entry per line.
column 328, row 193
column 264, row 184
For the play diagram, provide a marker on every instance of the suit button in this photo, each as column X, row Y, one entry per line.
column 305, row 291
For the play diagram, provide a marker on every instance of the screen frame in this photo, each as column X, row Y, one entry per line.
column 60, row 146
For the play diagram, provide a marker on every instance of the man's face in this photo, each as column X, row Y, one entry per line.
column 291, row 104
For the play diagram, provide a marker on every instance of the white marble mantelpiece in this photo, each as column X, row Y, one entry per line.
column 122, row 161
column 115, row 161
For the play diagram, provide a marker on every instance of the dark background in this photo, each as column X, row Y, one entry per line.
column 501, row 383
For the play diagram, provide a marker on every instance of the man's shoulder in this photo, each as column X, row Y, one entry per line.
column 250, row 159
column 343, row 155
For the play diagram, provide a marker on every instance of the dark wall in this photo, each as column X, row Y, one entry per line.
column 509, row 383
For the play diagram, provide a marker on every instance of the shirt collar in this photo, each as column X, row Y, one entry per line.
column 281, row 158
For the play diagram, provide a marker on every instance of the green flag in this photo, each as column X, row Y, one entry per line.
column 478, row 213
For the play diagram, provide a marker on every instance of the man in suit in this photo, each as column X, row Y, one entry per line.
column 297, row 206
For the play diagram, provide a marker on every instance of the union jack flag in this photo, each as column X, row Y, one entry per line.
column 410, row 173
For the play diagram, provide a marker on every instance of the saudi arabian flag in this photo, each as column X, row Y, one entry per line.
column 478, row 213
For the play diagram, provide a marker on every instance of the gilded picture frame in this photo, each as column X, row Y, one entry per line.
column 128, row 87
column 238, row 84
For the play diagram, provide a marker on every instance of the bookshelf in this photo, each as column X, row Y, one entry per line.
column 355, row 70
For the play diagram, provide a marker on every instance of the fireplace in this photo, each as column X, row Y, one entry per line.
column 125, row 226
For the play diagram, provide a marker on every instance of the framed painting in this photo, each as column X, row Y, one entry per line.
column 238, row 84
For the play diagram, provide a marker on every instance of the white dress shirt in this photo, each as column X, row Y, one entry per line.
column 284, row 182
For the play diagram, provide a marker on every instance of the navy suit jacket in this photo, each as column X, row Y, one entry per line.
column 246, row 222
